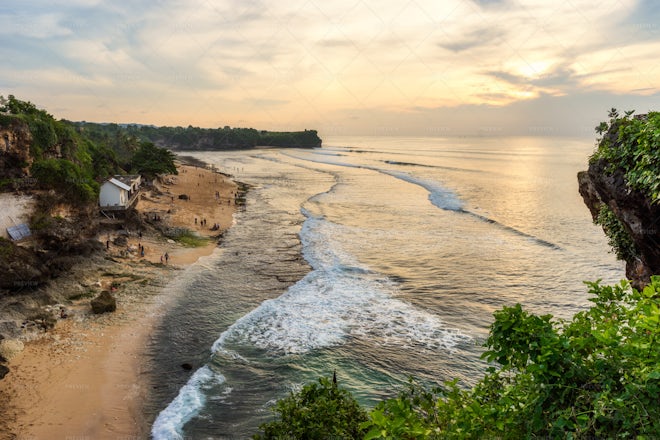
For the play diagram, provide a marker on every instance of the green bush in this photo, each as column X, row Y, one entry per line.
column 66, row 177
column 618, row 238
column 633, row 145
column 318, row 411
column 594, row 376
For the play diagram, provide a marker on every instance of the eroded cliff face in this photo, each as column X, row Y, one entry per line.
column 15, row 157
column 639, row 217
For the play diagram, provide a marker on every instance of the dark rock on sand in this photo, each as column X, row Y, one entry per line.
column 4, row 370
column 21, row 269
column 120, row 241
column 103, row 303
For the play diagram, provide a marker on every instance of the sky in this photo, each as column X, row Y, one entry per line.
column 386, row 68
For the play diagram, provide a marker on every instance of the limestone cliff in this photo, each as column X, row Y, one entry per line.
column 15, row 141
column 606, row 184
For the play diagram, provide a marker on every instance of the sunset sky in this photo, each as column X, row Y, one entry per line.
column 420, row 67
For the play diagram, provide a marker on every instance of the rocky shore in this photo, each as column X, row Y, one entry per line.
column 74, row 373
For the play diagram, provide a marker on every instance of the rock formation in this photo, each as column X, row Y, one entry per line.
column 4, row 370
column 638, row 215
column 103, row 303
column 15, row 141
column 22, row 270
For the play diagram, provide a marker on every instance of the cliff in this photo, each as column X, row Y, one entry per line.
column 618, row 189
column 15, row 141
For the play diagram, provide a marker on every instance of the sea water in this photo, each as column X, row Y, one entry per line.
column 377, row 258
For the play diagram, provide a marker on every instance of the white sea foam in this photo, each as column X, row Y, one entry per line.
column 340, row 299
column 187, row 404
column 439, row 195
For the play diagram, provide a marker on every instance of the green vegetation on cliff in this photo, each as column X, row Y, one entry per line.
column 631, row 143
column 595, row 376
column 61, row 158
column 628, row 151
column 73, row 161
column 74, row 157
column 196, row 138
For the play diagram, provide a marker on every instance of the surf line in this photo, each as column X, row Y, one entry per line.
column 439, row 196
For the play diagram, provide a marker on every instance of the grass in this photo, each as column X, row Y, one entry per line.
column 190, row 239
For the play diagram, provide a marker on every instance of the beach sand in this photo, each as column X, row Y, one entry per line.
column 85, row 379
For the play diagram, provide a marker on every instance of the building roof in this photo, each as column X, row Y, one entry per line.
column 19, row 232
column 119, row 184
column 127, row 179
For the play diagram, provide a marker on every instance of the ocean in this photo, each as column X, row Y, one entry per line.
column 379, row 258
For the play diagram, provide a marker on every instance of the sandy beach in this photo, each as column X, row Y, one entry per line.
column 84, row 379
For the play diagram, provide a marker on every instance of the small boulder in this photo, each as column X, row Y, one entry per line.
column 187, row 366
column 10, row 348
column 120, row 241
column 3, row 371
column 103, row 303
column 184, row 197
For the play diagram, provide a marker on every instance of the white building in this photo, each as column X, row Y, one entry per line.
column 119, row 192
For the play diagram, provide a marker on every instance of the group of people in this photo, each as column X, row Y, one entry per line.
column 124, row 252
column 203, row 222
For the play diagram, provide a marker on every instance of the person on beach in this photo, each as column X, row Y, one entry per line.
column 167, row 257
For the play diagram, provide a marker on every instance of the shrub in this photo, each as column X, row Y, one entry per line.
column 318, row 411
column 594, row 376
column 66, row 177
column 633, row 144
column 618, row 237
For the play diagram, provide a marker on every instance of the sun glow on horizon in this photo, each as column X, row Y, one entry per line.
column 310, row 63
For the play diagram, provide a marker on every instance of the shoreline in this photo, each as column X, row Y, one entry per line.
column 87, row 377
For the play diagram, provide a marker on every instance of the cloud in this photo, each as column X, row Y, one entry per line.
column 569, row 115
column 556, row 77
column 485, row 36
column 234, row 60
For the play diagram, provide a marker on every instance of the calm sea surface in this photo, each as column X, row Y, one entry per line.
column 379, row 258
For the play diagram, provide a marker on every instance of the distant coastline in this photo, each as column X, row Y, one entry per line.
column 203, row 139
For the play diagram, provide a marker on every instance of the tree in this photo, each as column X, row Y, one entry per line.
column 150, row 160
column 595, row 376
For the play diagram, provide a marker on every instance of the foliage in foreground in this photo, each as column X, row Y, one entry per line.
column 595, row 376
column 318, row 411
